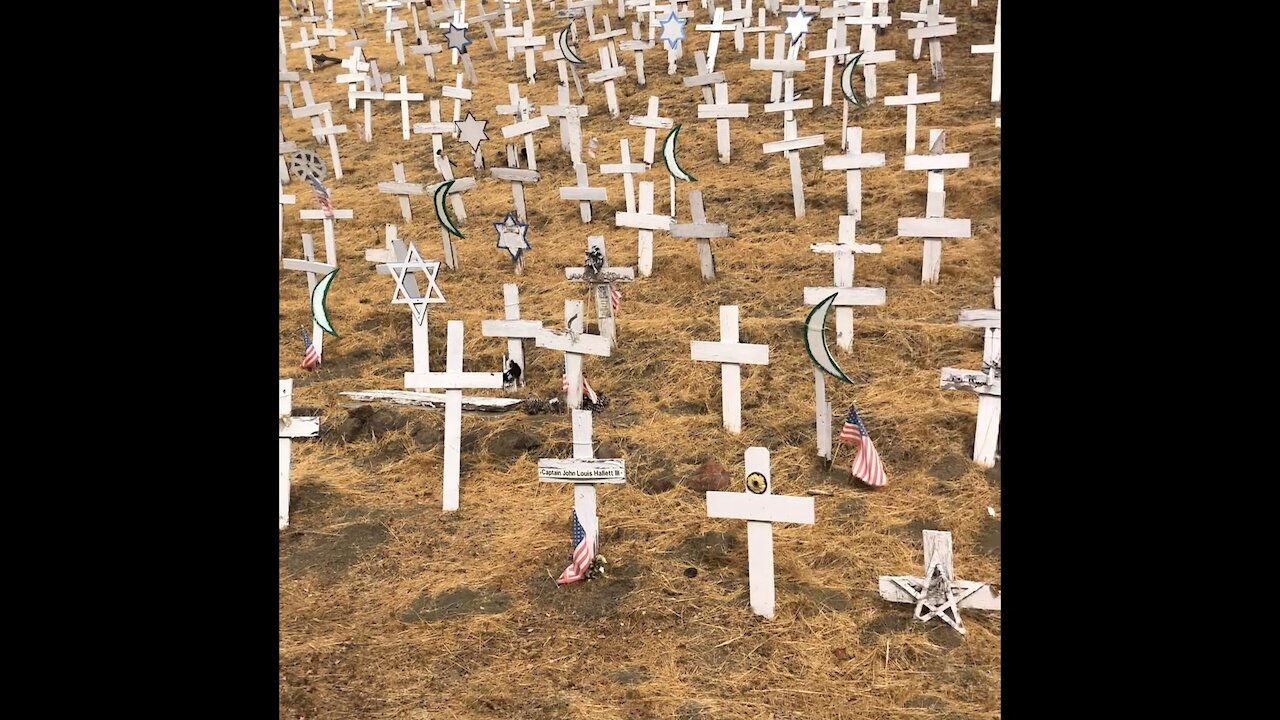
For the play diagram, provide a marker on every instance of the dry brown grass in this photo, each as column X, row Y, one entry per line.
column 368, row 540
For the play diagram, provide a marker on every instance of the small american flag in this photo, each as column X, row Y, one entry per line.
column 311, row 358
column 322, row 196
column 583, row 554
column 866, row 464
column 586, row 386
column 615, row 297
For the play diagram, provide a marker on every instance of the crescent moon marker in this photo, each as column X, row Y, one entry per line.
column 846, row 82
column 442, row 212
column 320, row 303
column 815, row 336
column 562, row 44
column 669, row 156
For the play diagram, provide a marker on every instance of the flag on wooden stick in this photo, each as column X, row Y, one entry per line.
column 311, row 357
column 322, row 197
column 583, row 554
column 615, row 297
column 866, row 464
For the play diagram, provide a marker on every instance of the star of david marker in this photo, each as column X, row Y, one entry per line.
column 797, row 25
column 471, row 131
column 673, row 30
column 457, row 38
column 513, row 236
column 413, row 262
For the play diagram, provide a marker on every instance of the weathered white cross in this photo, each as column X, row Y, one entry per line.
column 607, row 36
column 760, row 508
column 426, row 50
column 314, row 271
column 651, row 123
column 847, row 296
column 330, row 241
column 287, row 147
column 368, row 95
column 853, row 162
column 287, row 77
column 867, row 46
column 404, row 97
column 986, row 383
column 759, row 30
column 305, row 45
column 458, row 93
column 437, row 130
column 284, row 200
column 602, row 280
column 645, row 221
column 396, row 27
column 703, row 232
column 486, row 21
column 401, row 265
column 522, row 110
column 740, row 17
column 583, row 192
column 585, row 472
column 453, row 380
column 828, row 56
column 778, row 65
column 704, row 79
column 935, row 28
column 731, row 355
column 717, row 26
column 565, row 69
column 529, row 43
column 607, row 74
column 570, row 122
column 920, row 19
column 994, row 50
column 933, row 227
column 626, row 169
column 574, row 344
column 320, row 131
column 722, row 110
column 513, row 329
column 911, row 100
column 637, row 45
column 791, row 145
column 290, row 427
column 939, row 591
column 402, row 189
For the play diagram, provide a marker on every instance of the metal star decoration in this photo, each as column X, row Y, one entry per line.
column 471, row 131
column 797, row 25
column 673, row 30
column 513, row 236
column 457, row 38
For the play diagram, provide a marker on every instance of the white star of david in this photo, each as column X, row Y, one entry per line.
column 406, row 291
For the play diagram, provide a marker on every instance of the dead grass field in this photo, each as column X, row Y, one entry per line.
column 391, row 609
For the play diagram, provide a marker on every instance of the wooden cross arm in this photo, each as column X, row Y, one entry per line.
column 608, row 275
column 875, row 57
column 708, row 79
column 924, row 17
column 525, row 126
column 931, row 31
column 299, row 427
column 319, row 214
column 421, row 399
column 426, row 49
column 455, row 92
column 971, row 380
column 311, row 110
column 845, row 247
column 733, row 353
column 589, row 194
column 640, row 45
column 657, row 123
column 723, row 112
column 949, row 161
column 580, row 343
column 912, row 99
column 794, row 144
column 643, row 221
column 582, row 471
column 701, row 231
column 460, row 185
column 845, row 297
column 511, row 328
column 778, row 65
column 934, row 228
column 606, row 75
column 308, row 266
column 980, row 318
column 453, row 381
column 623, row 168
column 972, row 595
column 860, row 161
column 515, row 174
column 789, row 105
column 762, row 508
column 399, row 188
column 434, row 128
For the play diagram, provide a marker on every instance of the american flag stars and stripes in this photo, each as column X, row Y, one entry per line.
column 586, row 386
column 310, row 358
column 322, row 197
column 866, row 464
column 583, row 554
column 615, row 297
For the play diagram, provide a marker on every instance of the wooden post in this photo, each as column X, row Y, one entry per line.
column 453, row 380
column 822, row 407
column 934, row 226
column 290, row 427
column 994, row 50
column 583, row 192
column 585, row 472
column 404, row 97
column 703, row 232
column 626, row 169
column 574, row 344
column 607, row 74
column 284, row 200
column 939, row 591
column 760, row 508
column 853, row 162
column 731, row 355
column 515, row 330
column 637, row 45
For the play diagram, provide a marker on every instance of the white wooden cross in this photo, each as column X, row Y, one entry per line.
column 853, row 162
column 368, row 95
column 287, row 147
column 722, row 110
column 703, row 232
column 704, row 79
column 934, row 226
column 607, row 74
column 284, row 200
column 717, row 26
column 740, row 16
column 867, row 46
column 570, row 122
column 760, row 508
column 321, row 131
column 526, row 124
column 437, row 130
column 939, row 592
column 589, row 10
column 404, row 97
column 509, row 30
column 645, row 221
column 760, row 29
column 601, row 281
column 986, row 383
column 607, row 36
column 486, row 21
column 305, row 45
column 517, row 177
column 513, row 329
column 314, row 271
column 935, row 28
column 778, row 65
column 574, row 344
column 290, row 427
column 920, row 19
column 287, row 77
column 401, row 263
column 731, row 355
column 791, row 145
column 637, row 45
column 585, row 472
column 453, row 380
column 284, row 44
column 626, row 169
column 911, row 100
column 395, row 26
column 848, row 297
column 459, row 94
column 330, row 241
column 651, row 123
column 564, row 69
column 529, row 43
column 828, row 56
column 583, row 192
column 994, row 50
column 426, row 50
column 402, row 189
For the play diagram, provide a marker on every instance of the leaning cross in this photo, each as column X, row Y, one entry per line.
column 717, row 26
column 792, row 145
column 330, row 241
column 453, row 380
column 402, row 189
column 651, row 122
column 847, row 296
column 574, row 344
column 935, row 27
column 607, row 74
column 760, row 508
column 585, row 472
column 513, row 329
column 314, row 271
column 933, row 227
column 911, row 100
column 601, row 276
column 570, row 122
column 986, row 384
column 305, row 46
column 703, row 232
column 426, row 50
column 731, row 355
column 867, row 46
column 583, row 192
column 290, row 427
column 938, row 591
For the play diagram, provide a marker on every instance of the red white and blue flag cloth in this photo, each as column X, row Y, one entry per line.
column 615, row 297
column 310, row 358
column 866, row 463
column 583, row 554
column 586, row 386
column 322, row 197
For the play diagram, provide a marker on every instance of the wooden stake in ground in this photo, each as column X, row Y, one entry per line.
column 646, row 222
column 722, row 110
column 939, row 592
column 402, row 189
column 401, row 266
column 703, row 232
column 760, row 508
column 585, row 472
column 453, row 380
column 603, row 279
column 574, row 344
column 853, row 162
column 515, row 330
column 607, row 74
column 314, row 271
column 847, row 296
column 426, row 50
column 731, row 355
column 994, row 50
column 934, row 226
column 985, row 383
column 290, row 427
column 911, row 100
column 638, row 46
column 583, row 193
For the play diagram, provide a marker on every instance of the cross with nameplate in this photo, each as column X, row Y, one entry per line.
column 602, row 278
column 585, row 472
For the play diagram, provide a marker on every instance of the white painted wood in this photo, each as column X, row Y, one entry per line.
column 525, row 127
column 600, row 285
column 646, row 221
column 610, row 472
column 402, row 190
column 703, row 232
column 977, row 596
column 574, row 344
column 731, row 354
column 764, row 508
column 994, row 50
column 822, row 409
column 980, row 318
column 404, row 97
column 650, row 122
column 939, row 591
column 950, row 161
column 794, row 144
column 934, row 228
column 911, row 100
column 853, row 162
column 700, row 62
column 583, row 193
column 434, row 400
column 778, row 65
column 627, row 169
column 847, row 296
column 290, row 427
column 515, row 174
column 607, row 75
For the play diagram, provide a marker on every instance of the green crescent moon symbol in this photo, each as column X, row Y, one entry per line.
column 816, row 335
column 669, row 156
column 442, row 212
column 846, row 82
column 320, row 303
column 562, row 44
